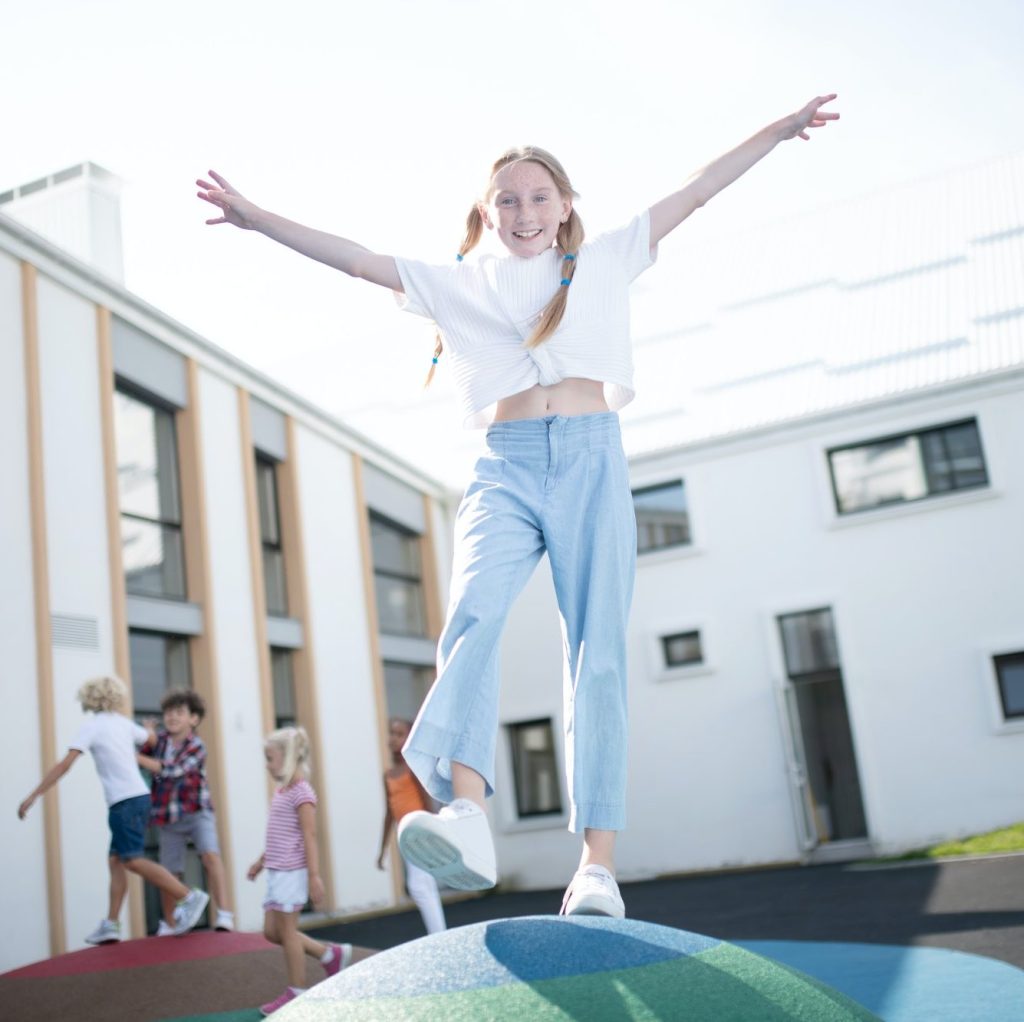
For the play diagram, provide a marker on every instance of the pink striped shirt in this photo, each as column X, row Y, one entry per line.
column 285, row 848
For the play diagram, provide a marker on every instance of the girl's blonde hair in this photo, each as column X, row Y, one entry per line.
column 104, row 693
column 294, row 744
column 567, row 242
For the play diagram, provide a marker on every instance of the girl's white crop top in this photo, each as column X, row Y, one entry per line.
column 487, row 307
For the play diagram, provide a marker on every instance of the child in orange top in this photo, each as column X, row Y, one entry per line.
column 404, row 794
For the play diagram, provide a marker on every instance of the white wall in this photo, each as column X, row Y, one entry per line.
column 922, row 596
column 231, row 603
column 352, row 806
column 76, row 533
column 22, row 855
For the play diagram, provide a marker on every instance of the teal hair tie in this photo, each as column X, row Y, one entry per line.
column 458, row 257
column 569, row 257
column 566, row 282
column 434, row 360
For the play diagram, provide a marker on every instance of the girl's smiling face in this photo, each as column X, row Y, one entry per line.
column 274, row 755
column 525, row 208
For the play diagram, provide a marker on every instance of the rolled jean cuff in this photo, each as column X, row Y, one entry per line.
column 431, row 751
column 597, row 816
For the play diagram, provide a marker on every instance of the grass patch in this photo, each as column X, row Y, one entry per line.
column 1006, row 839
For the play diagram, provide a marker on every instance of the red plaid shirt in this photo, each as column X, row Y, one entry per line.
column 180, row 788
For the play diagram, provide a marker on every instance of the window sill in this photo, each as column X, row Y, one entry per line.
column 556, row 821
column 1014, row 726
column 662, row 555
column 912, row 507
column 684, row 673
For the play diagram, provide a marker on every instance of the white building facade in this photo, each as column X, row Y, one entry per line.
column 175, row 518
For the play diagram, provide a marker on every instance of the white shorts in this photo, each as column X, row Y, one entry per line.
column 287, row 889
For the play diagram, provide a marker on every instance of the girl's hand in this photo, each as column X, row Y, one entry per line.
column 235, row 208
column 255, row 869
column 25, row 807
column 811, row 116
column 316, row 891
column 380, row 861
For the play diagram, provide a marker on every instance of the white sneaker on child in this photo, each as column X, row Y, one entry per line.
column 189, row 910
column 454, row 845
column 164, row 929
column 593, row 892
column 225, row 920
column 108, row 932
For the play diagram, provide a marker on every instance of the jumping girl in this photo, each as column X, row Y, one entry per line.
column 292, row 861
column 538, row 345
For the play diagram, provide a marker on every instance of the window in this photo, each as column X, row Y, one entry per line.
column 406, row 686
column 662, row 516
column 398, row 578
column 158, row 662
column 534, row 768
column 147, row 481
column 912, row 466
column 1010, row 674
column 682, row 650
column 270, row 537
column 809, row 643
column 282, row 677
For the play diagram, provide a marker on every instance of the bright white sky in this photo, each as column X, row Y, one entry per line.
column 379, row 120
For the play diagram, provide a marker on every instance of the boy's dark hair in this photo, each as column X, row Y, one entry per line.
column 184, row 697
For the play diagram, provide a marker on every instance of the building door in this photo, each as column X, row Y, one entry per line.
column 822, row 741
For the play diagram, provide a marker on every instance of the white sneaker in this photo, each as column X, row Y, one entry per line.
column 108, row 932
column 164, row 929
column 189, row 910
column 225, row 920
column 454, row 846
column 593, row 892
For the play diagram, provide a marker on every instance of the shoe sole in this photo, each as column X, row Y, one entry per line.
column 106, row 940
column 441, row 859
column 190, row 920
column 588, row 910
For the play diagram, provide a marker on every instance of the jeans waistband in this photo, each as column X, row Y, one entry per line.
column 571, row 433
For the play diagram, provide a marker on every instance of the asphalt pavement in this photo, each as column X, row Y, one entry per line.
column 974, row 905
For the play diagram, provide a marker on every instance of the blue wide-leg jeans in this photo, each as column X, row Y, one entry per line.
column 561, row 485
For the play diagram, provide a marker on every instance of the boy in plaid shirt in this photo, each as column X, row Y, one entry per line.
column 181, row 806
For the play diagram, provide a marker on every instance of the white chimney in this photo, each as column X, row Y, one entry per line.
column 78, row 209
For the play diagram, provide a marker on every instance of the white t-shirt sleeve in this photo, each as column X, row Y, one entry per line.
column 423, row 285
column 139, row 733
column 84, row 737
column 630, row 246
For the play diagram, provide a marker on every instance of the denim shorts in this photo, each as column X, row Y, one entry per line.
column 128, row 821
column 199, row 828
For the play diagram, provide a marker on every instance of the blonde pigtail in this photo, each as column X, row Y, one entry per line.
column 474, row 231
column 568, row 243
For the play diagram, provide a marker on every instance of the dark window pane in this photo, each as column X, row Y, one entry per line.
column 682, row 650
column 154, row 562
column 406, row 686
column 662, row 516
column 534, row 767
column 147, row 460
column 400, row 609
column 266, row 497
column 158, row 662
column 274, row 586
column 396, row 551
column 809, row 642
column 283, row 680
column 1010, row 670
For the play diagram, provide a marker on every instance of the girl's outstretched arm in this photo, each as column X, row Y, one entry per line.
column 342, row 254
column 708, row 182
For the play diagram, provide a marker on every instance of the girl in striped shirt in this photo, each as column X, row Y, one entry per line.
column 291, row 859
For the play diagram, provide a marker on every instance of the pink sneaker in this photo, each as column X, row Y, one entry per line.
column 290, row 993
column 341, row 958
